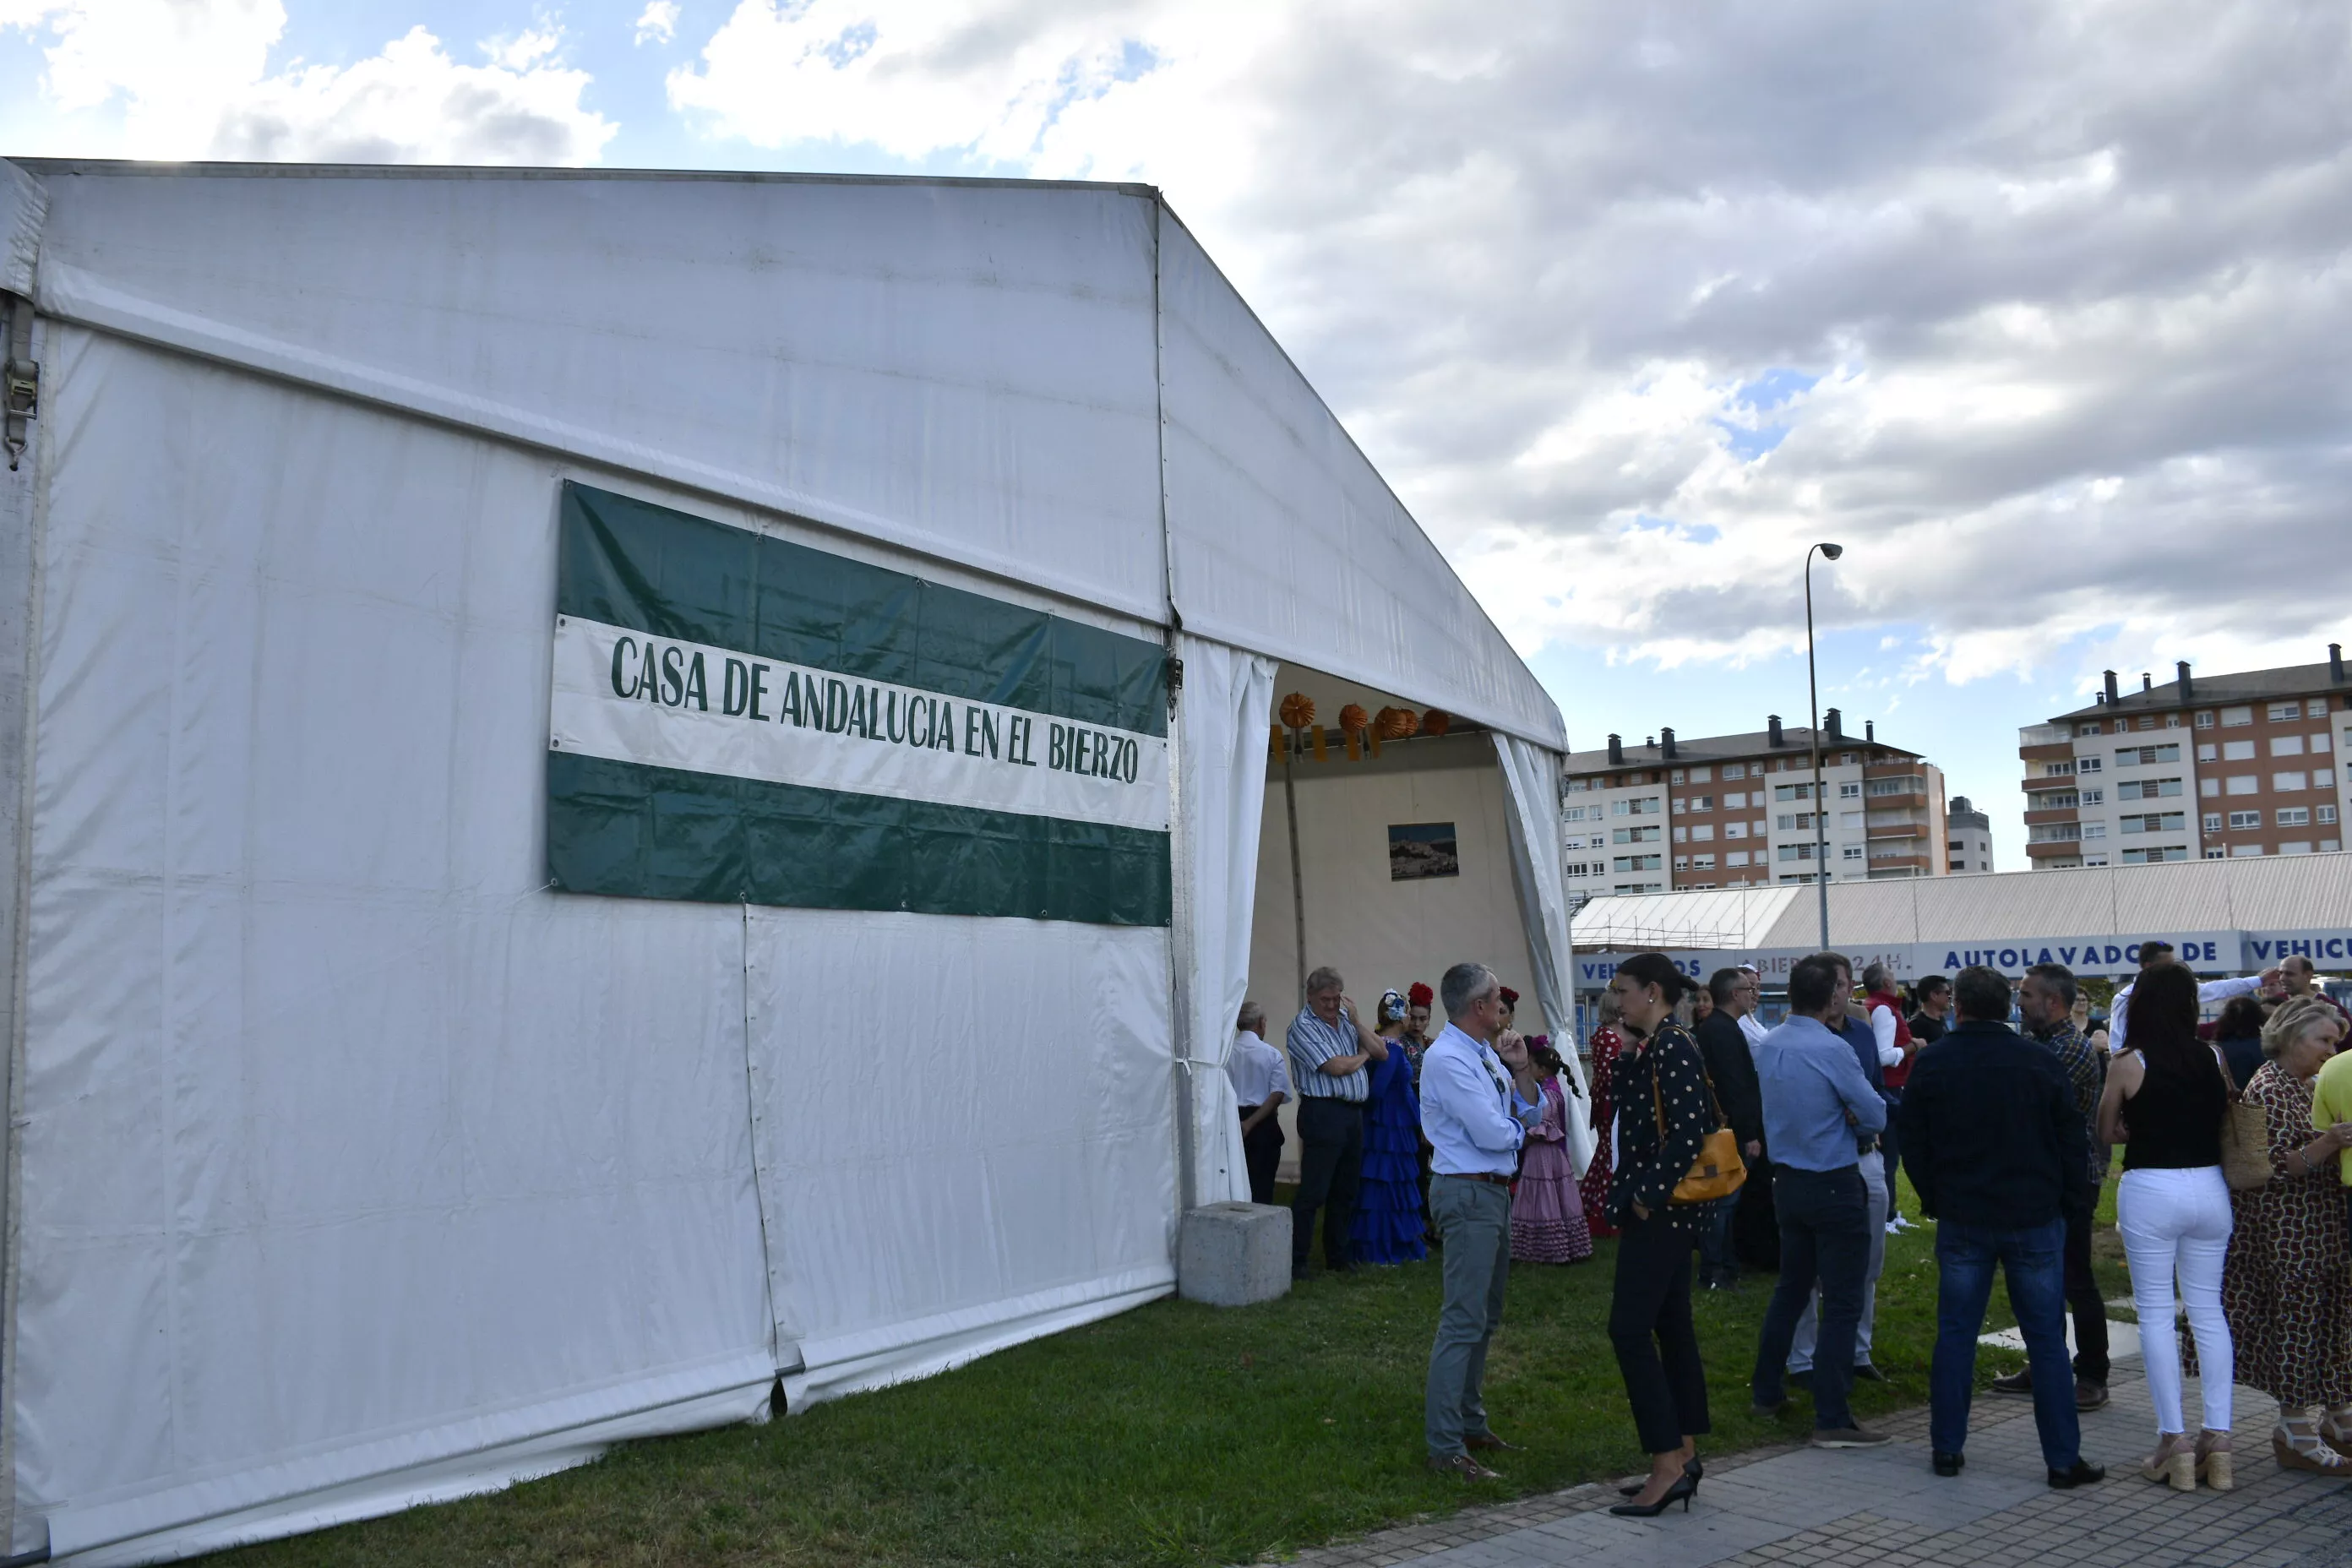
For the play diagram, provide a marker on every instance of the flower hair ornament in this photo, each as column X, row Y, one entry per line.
column 1392, row 1007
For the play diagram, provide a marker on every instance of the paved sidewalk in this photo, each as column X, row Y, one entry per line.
column 1790, row 1508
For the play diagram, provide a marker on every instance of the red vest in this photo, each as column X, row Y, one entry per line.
column 1896, row 1076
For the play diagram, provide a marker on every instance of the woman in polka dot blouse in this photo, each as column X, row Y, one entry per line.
column 1663, row 1115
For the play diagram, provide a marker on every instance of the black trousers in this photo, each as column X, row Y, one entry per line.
column 1331, row 1158
column 1262, row 1154
column 1650, row 1326
column 2082, row 1298
column 1755, row 1225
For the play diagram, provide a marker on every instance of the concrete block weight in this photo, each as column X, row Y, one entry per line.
column 1233, row 1255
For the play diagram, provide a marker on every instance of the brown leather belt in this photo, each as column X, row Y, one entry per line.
column 1476, row 1176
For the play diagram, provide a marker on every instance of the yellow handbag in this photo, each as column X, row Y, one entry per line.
column 1718, row 1172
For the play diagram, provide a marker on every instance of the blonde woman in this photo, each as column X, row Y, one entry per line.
column 2287, row 1285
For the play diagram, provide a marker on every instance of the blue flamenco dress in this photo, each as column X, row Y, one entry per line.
column 1388, row 1227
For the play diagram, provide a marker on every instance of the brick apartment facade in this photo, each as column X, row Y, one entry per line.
column 2201, row 767
column 1738, row 810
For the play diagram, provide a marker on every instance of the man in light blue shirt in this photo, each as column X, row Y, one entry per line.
column 1818, row 1106
column 1475, row 1117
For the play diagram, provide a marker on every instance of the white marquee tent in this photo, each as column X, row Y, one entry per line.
column 363, row 1147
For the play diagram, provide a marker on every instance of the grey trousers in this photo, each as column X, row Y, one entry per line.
column 1473, row 1218
column 1800, row 1351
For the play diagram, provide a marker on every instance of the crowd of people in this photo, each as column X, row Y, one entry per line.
column 1724, row 1145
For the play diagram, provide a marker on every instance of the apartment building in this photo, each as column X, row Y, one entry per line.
column 1738, row 810
column 1968, row 836
column 2203, row 766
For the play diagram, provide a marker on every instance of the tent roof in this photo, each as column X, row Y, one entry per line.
column 1046, row 382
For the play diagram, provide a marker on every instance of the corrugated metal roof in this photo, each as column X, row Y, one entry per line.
column 2275, row 893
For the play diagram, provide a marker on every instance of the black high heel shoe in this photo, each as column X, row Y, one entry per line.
column 1686, row 1488
column 1691, row 1467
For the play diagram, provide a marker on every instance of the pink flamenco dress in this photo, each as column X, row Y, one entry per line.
column 1546, row 1212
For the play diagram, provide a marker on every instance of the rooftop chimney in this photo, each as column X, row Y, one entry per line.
column 1960, row 803
column 1834, row 725
column 2181, row 666
column 2335, row 662
column 1665, row 742
column 2111, row 686
column 2147, row 681
column 1772, row 727
column 1616, row 751
column 1870, row 729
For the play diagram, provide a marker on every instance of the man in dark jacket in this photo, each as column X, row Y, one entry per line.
column 1731, row 1066
column 1997, row 1152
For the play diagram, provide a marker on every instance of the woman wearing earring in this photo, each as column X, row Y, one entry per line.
column 1664, row 1114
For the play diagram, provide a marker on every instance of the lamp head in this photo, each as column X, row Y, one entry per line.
column 1831, row 552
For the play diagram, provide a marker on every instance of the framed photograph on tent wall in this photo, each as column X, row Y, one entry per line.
column 1418, row 850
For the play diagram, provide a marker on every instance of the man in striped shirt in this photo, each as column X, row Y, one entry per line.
column 1328, row 1048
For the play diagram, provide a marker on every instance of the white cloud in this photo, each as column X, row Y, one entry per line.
column 2069, row 312
column 658, row 23
column 191, row 79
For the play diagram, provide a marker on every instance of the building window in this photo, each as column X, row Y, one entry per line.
column 2323, row 778
column 2146, row 789
column 2327, row 815
column 2094, row 797
column 2233, row 717
column 1735, row 803
column 1734, row 770
column 1682, row 834
column 2144, row 756
column 1796, row 851
column 1703, row 862
column 2207, row 753
column 2090, row 860
column 2208, row 787
column 1682, row 862
column 1701, row 803
column 1910, row 784
column 2212, row 822
column 2049, row 833
column 1845, row 759
column 2244, row 821
column 1853, row 852
column 2095, row 830
column 2147, row 721
column 2237, row 751
column 1702, row 775
column 1635, row 835
column 2286, row 745
column 2172, row 721
column 1793, row 792
column 1850, row 819
column 2287, row 709
column 2057, row 770
column 1676, row 777
column 2245, row 784
column 2288, row 782
column 1758, row 824
column 1703, row 832
column 2217, row 853
column 2293, row 816
column 1735, row 830
column 2295, row 847
column 1636, row 862
column 1849, row 792
column 2245, row 851
column 2151, row 856
column 2205, row 720
column 2090, row 729
column 1736, row 857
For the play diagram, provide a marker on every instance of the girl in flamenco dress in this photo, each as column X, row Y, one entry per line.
column 1547, row 1210
column 1388, row 1227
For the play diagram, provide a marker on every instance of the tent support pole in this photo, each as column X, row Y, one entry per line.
column 1297, row 878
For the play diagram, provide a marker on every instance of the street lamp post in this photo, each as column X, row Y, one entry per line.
column 1814, row 693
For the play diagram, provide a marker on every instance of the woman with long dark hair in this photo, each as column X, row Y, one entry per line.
column 2238, row 1035
column 2165, row 1099
column 1665, row 1113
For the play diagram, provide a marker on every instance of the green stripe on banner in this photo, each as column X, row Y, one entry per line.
column 649, row 569
column 626, row 830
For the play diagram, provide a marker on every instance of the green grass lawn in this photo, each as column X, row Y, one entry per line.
column 1175, row 1433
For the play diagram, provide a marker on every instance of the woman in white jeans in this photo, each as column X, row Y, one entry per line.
column 2164, row 1102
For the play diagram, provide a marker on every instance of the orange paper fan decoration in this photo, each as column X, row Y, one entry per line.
column 1297, row 711
column 1395, row 723
column 1436, row 722
column 1353, row 718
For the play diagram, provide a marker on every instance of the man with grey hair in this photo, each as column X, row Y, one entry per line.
column 2302, row 977
column 1328, row 1048
column 1260, row 1086
column 1476, row 1115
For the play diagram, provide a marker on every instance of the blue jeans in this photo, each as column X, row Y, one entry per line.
column 1825, row 1224
column 2035, row 1263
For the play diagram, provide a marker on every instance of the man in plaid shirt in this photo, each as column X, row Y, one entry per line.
column 2046, row 1001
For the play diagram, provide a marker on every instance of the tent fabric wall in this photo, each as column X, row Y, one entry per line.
column 1228, row 697
column 345, row 1149
column 1531, row 784
column 1007, row 1155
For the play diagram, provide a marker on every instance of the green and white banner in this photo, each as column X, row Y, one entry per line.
column 737, row 718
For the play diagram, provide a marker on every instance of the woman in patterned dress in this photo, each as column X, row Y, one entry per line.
column 1594, row 1187
column 2287, row 1285
column 1546, row 1212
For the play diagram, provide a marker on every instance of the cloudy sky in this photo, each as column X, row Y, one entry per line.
column 2041, row 310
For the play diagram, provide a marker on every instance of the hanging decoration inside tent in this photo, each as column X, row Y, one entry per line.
column 1436, row 722
column 1353, row 719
